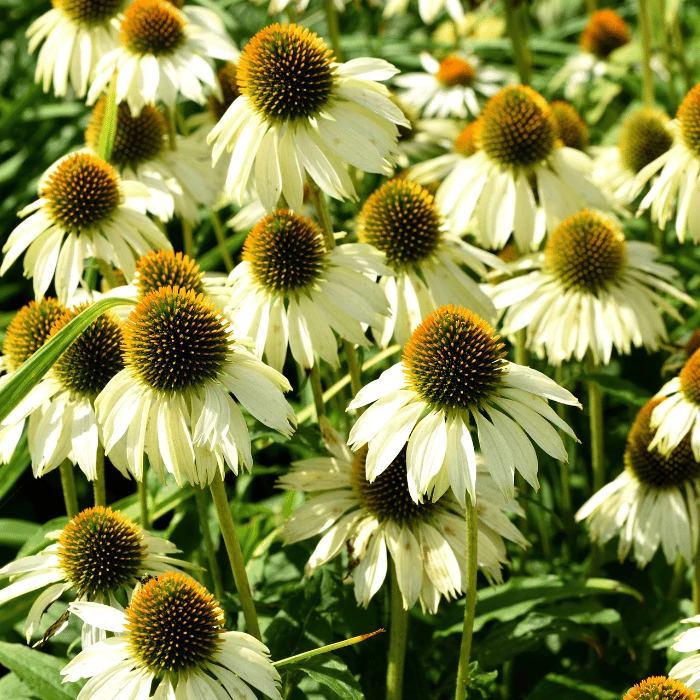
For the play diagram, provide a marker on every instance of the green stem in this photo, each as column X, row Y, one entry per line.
column 591, row 6
column 398, row 636
column 221, row 241
column 172, row 127
column 326, row 649
column 317, row 390
column 187, row 238
column 143, row 503
column 678, row 578
column 353, row 367
column 517, row 28
column 98, row 485
column 678, row 42
column 70, row 495
column 108, row 132
column 322, row 213
column 668, row 55
column 333, row 29
column 469, row 602
column 595, row 416
column 214, row 570
column 235, row 554
column 565, row 495
column 522, row 356
column 645, row 37
column 696, row 583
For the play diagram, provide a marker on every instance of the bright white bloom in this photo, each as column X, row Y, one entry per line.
column 98, row 554
column 75, row 35
column 453, row 371
column 278, row 6
column 451, row 87
column 653, row 502
column 429, row 10
column 590, row 290
column 84, row 210
column 403, row 222
column 291, row 290
column 426, row 541
column 172, row 401
column 300, row 114
column 162, row 54
column 170, row 637
column 688, row 670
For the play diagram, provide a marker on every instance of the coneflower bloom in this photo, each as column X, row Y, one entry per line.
column 170, row 640
column 172, row 399
column 278, row 6
column 84, row 209
column 291, row 290
column 97, row 556
column 402, row 220
column 589, row 290
column 453, row 371
column 429, row 10
column 653, row 502
column 688, row 670
column 571, row 129
column 162, row 54
column 301, row 113
column 425, row 540
column 659, row 688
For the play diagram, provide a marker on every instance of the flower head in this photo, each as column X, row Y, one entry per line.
column 659, row 688
column 571, row 128
column 228, row 80
column 605, row 32
column 687, row 671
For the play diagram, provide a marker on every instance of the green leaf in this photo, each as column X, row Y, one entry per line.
column 109, row 123
column 12, row 687
column 40, row 672
column 38, row 540
column 34, row 369
column 11, row 472
column 556, row 686
column 330, row 671
column 622, row 389
column 14, row 533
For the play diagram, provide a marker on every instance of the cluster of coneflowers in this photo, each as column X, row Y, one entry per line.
column 173, row 373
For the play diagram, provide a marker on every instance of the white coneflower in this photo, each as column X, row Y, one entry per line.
column 653, row 502
column 659, row 688
column 453, row 371
column 278, row 6
column 171, row 641
column 75, row 35
column 162, row 55
column 172, row 401
column 590, row 290
column 571, row 129
column 84, row 210
column 402, row 220
column 291, row 290
column 429, row 10
column 425, row 540
column 450, row 87
column 96, row 556
column 688, row 670
column 301, row 113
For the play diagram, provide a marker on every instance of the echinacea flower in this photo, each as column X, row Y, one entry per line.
column 84, row 210
column 653, row 502
column 571, row 129
column 688, row 670
column 278, row 6
column 453, row 372
column 402, row 220
column 99, row 554
column 302, row 113
column 590, row 290
column 429, row 10
column 172, row 399
column 170, row 638
column 659, row 688
column 291, row 290
column 162, row 54
column 426, row 541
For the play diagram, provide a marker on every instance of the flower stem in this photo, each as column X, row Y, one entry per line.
column 678, row 42
column 354, row 368
column 187, row 238
column 696, row 583
column 645, row 37
column 235, row 554
column 566, row 503
column 322, row 213
column 98, row 485
column 678, row 578
column 317, row 390
column 591, row 6
column 108, row 132
column 668, row 55
column 333, row 28
column 398, row 636
column 517, row 28
column 143, row 503
column 214, row 570
column 522, row 356
column 172, row 127
column 469, row 603
column 595, row 417
column 221, row 240
column 328, row 648
column 70, row 495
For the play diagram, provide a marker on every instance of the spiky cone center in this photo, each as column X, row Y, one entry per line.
column 605, row 32
column 287, row 73
column 571, row 128
column 29, row 330
column 175, row 340
column 517, row 128
column 94, row 358
column 402, row 220
column 286, row 252
column 587, row 252
column 688, row 117
column 660, row 688
column 229, row 91
column 455, row 71
column 137, row 139
column 650, row 466
column 166, row 268
column 89, row 13
column 173, row 625
column 454, row 360
column 387, row 497
column 644, row 137
column 101, row 551
column 82, row 192
column 466, row 143
column 153, row 27
column 690, row 378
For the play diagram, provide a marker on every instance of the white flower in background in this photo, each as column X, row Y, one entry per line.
column 402, row 221
column 590, row 290
column 453, row 372
column 75, row 35
column 97, row 555
column 162, row 55
column 291, row 290
column 653, row 502
column 300, row 6
column 172, row 401
column 451, row 87
column 688, row 670
column 172, row 635
column 300, row 114
column 429, row 10
column 84, row 210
